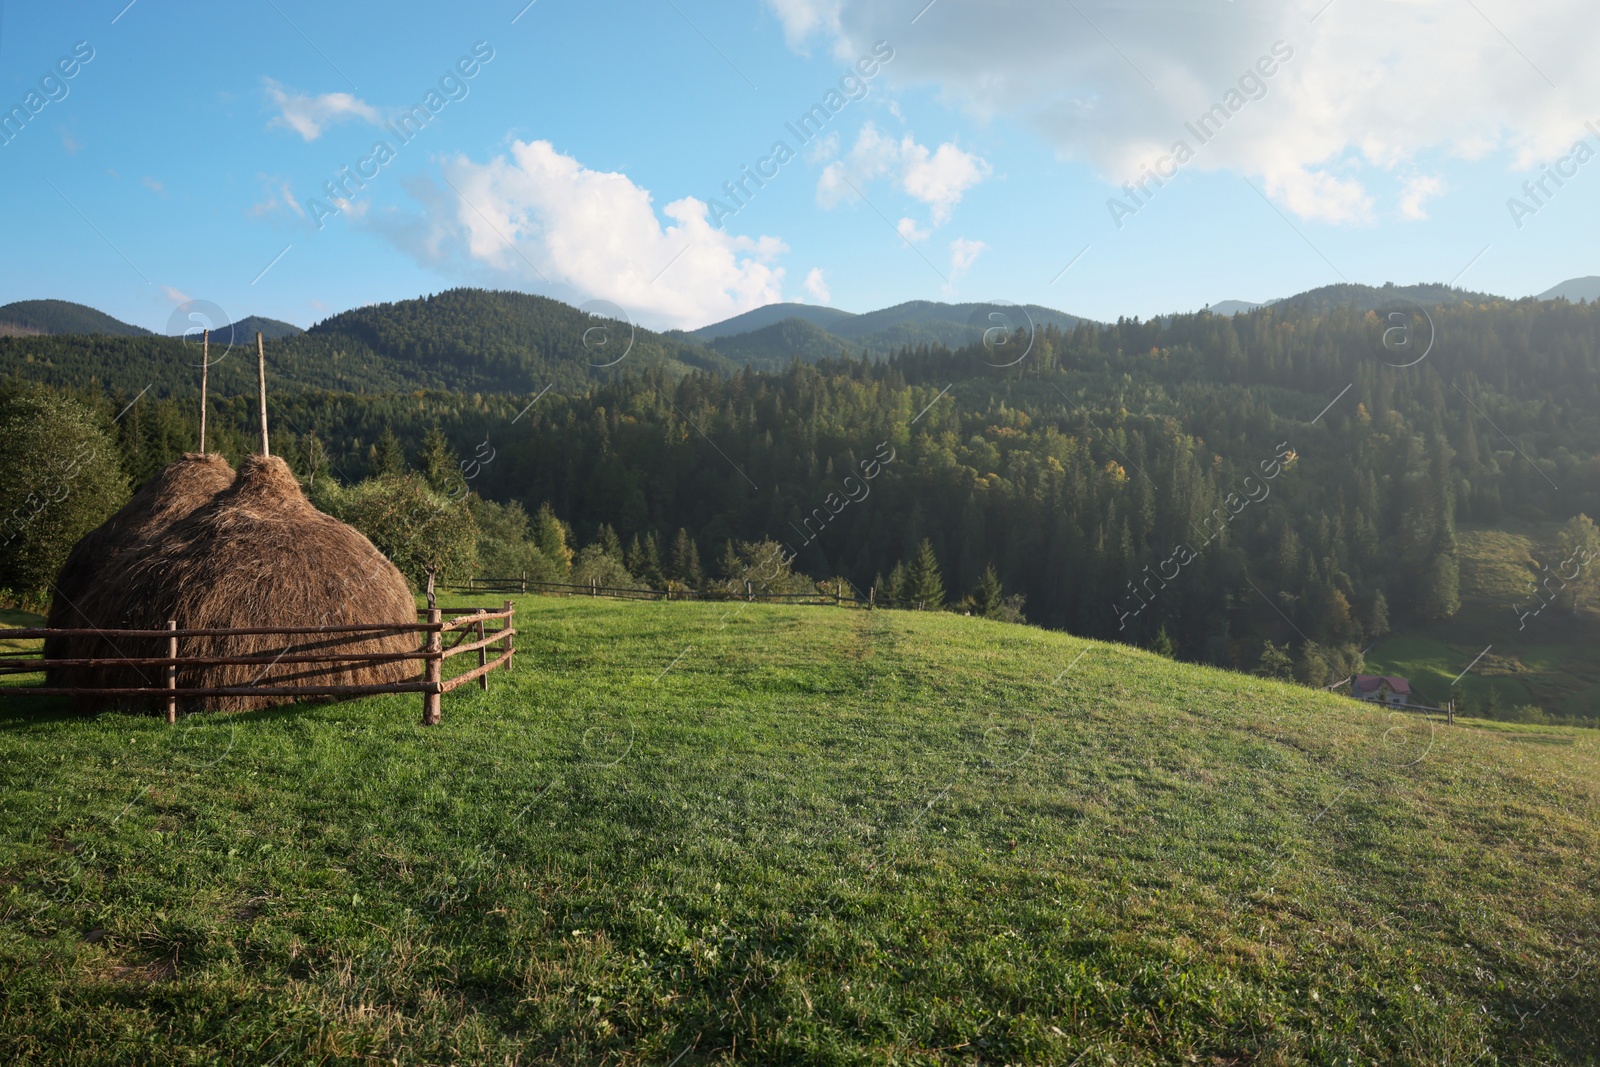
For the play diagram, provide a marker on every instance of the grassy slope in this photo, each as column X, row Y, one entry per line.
column 802, row 835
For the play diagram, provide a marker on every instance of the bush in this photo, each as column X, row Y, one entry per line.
column 59, row 478
column 595, row 564
column 505, row 546
column 414, row 526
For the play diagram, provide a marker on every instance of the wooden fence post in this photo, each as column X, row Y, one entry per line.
column 172, row 672
column 1451, row 708
column 524, row 585
column 483, row 660
column 434, row 669
column 511, row 648
column 872, row 594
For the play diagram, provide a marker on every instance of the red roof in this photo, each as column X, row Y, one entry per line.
column 1369, row 683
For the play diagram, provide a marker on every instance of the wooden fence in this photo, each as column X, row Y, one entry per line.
column 466, row 626
column 524, row 585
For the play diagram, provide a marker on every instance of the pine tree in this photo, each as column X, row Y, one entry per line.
column 683, row 562
column 898, row 589
column 926, row 586
column 388, row 458
column 643, row 560
column 440, row 464
column 988, row 595
column 1162, row 645
column 609, row 543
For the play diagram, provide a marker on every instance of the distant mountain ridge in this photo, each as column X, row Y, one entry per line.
column 1574, row 289
column 65, row 317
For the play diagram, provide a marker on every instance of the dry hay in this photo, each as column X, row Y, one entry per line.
column 167, row 498
column 256, row 555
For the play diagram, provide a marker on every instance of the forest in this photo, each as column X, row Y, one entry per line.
column 1270, row 492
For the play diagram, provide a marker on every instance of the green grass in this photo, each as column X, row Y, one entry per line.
column 701, row 834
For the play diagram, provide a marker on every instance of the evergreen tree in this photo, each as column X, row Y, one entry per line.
column 611, row 545
column 683, row 562
column 388, row 458
column 643, row 560
column 926, row 590
column 441, row 467
column 988, row 595
column 898, row 589
column 1162, row 645
column 1441, row 588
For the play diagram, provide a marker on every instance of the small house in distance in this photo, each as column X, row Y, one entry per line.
column 1381, row 689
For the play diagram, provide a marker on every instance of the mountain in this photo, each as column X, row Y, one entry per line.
column 761, row 317
column 751, row 339
column 1235, row 307
column 1371, row 298
column 463, row 341
column 245, row 330
column 1574, row 289
column 771, row 347
column 63, row 316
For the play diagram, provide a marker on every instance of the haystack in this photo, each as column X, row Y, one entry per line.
column 258, row 555
column 79, row 599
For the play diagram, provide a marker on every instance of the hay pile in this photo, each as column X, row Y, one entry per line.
column 77, row 601
column 256, row 554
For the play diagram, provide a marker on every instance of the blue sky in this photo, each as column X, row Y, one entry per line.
column 586, row 158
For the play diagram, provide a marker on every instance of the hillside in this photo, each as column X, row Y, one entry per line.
column 463, row 340
column 65, row 317
column 246, row 329
column 1370, row 298
column 755, row 338
column 814, row 834
column 771, row 347
column 1574, row 289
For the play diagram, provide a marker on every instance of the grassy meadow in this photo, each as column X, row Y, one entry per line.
column 707, row 834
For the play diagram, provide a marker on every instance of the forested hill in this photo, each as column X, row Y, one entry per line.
column 65, row 317
column 463, row 340
column 1282, row 485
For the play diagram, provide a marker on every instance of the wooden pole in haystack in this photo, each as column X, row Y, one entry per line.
column 261, row 378
column 205, row 364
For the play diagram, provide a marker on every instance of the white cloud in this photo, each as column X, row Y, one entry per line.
column 1418, row 190
column 939, row 178
column 822, row 149
column 154, row 186
column 911, row 232
column 538, row 218
column 817, row 286
column 177, row 296
column 276, row 197
column 803, row 18
column 1371, row 85
column 963, row 254
column 310, row 115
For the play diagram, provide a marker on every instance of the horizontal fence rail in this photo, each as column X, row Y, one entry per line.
column 466, row 626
